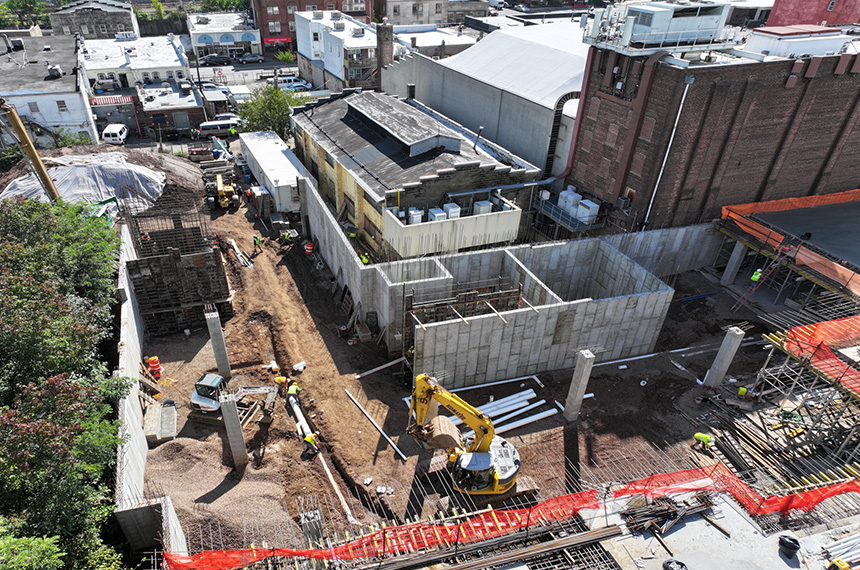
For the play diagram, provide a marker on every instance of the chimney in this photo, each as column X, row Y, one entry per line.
column 410, row 91
column 414, row 41
column 384, row 48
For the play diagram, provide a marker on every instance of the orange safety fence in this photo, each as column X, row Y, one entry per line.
column 812, row 343
column 409, row 538
column 803, row 256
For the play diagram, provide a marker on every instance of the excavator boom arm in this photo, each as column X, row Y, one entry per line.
column 20, row 134
column 427, row 390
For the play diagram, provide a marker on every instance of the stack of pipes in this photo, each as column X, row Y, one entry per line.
column 848, row 549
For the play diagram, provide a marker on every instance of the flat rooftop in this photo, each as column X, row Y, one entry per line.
column 146, row 53
column 834, row 227
column 374, row 157
column 436, row 37
column 156, row 98
column 273, row 155
column 328, row 18
column 218, row 22
column 26, row 71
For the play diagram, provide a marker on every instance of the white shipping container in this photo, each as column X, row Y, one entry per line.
column 483, row 207
column 587, row 212
column 452, row 210
column 436, row 215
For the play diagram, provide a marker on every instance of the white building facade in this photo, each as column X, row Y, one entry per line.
column 224, row 33
column 334, row 50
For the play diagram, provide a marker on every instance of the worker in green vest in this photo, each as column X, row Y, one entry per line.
column 704, row 440
column 311, row 443
column 294, row 389
column 281, row 383
column 756, row 275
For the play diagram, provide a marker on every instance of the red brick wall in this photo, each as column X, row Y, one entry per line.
column 788, row 12
column 263, row 16
column 743, row 136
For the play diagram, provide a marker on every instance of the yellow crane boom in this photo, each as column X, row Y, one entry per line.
column 23, row 140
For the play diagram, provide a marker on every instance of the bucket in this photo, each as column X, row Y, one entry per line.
column 343, row 331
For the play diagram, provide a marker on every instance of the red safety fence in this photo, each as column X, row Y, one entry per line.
column 812, row 343
column 408, row 538
column 803, row 256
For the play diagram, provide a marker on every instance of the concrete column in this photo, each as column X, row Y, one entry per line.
column 219, row 347
column 235, row 436
column 738, row 255
column 726, row 354
column 581, row 374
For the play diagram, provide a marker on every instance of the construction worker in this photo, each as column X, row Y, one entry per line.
column 232, row 132
column 257, row 244
column 311, row 443
column 756, row 275
column 704, row 440
column 294, row 389
column 365, row 259
column 280, row 382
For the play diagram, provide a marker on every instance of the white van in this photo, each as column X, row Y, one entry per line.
column 218, row 128
column 115, row 133
column 291, row 83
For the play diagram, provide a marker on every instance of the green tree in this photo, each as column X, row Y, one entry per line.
column 28, row 12
column 285, row 56
column 28, row 552
column 159, row 9
column 141, row 15
column 65, row 137
column 9, row 157
column 269, row 109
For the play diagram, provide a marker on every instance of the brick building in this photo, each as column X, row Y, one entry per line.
column 822, row 12
column 276, row 18
column 94, row 19
column 666, row 139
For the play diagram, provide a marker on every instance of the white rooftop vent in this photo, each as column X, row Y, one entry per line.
column 202, row 20
column 55, row 71
column 318, row 15
column 357, row 32
column 46, row 48
column 339, row 25
column 336, row 15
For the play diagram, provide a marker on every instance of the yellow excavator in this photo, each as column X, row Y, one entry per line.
column 482, row 464
column 19, row 133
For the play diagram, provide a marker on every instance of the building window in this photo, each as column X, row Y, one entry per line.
column 329, row 159
column 438, row 8
column 273, row 11
column 417, row 9
column 291, row 9
column 101, row 77
column 34, row 107
column 350, row 206
column 316, row 36
column 180, row 74
column 831, row 5
column 61, row 107
column 156, row 76
column 102, row 29
column 311, row 7
column 120, row 27
column 169, row 74
column 84, row 29
column 67, row 31
column 329, row 6
column 395, row 10
column 274, row 27
column 292, row 26
column 146, row 78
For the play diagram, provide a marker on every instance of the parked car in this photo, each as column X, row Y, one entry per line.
column 226, row 117
column 522, row 8
column 215, row 59
column 291, row 84
column 173, row 134
column 250, row 58
column 494, row 12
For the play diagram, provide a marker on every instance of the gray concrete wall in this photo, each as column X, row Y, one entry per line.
column 670, row 251
column 146, row 523
column 517, row 124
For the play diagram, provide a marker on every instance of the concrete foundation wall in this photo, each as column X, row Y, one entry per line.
column 670, row 251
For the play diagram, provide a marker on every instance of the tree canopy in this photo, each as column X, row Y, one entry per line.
column 269, row 109
column 57, row 433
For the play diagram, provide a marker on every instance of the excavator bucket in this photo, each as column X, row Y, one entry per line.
column 439, row 432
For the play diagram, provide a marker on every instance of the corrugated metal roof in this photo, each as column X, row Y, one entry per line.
column 539, row 63
column 112, row 100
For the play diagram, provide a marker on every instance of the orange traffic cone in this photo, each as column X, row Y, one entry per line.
column 155, row 367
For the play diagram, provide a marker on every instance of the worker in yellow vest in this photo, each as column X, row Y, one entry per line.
column 311, row 443
column 280, row 382
column 705, row 440
column 294, row 389
column 756, row 275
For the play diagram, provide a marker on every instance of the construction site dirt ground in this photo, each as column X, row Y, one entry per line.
column 285, row 311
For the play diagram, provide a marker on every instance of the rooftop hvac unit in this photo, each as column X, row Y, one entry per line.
column 339, row 25
column 587, row 212
column 436, row 215
column 623, row 203
column 357, row 32
column 451, row 210
column 17, row 44
column 416, row 216
column 336, row 15
column 318, row 15
column 483, row 207
column 544, row 195
column 55, row 71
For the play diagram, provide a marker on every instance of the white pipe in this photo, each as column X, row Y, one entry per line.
column 665, row 156
column 376, row 425
column 301, row 423
column 497, row 410
column 476, row 386
column 502, row 402
column 526, row 421
column 513, row 414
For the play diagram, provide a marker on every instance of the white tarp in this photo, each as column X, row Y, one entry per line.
column 93, row 178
